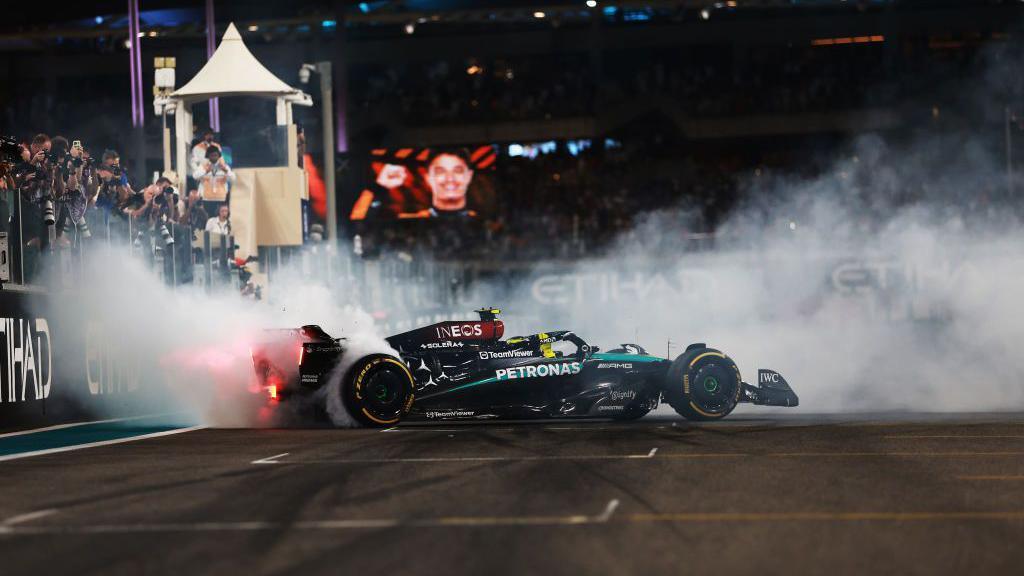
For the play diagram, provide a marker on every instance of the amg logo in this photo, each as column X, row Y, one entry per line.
column 449, row 413
column 623, row 365
column 539, row 371
column 506, row 354
column 460, row 331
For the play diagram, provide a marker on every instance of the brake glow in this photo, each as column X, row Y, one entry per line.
column 302, row 353
column 272, row 391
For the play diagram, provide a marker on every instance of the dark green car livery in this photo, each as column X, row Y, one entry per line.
column 464, row 370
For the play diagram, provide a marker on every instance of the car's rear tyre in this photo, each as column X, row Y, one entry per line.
column 703, row 384
column 378, row 390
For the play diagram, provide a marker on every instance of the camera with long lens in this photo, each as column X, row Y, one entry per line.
column 166, row 235
column 164, row 196
column 83, row 227
column 48, row 215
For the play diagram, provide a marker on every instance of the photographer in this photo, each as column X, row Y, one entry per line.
column 11, row 154
column 7, row 186
column 34, row 179
column 113, row 190
column 69, row 190
column 194, row 215
column 159, row 209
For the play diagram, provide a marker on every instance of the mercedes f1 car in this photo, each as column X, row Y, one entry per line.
column 466, row 371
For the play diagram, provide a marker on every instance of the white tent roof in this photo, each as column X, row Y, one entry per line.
column 232, row 71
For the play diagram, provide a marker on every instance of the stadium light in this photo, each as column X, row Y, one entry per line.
column 705, row 14
column 591, row 3
column 410, row 27
column 538, row 14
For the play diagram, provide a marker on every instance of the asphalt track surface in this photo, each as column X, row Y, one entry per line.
column 774, row 494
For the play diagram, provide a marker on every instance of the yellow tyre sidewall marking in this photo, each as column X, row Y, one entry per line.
column 686, row 384
column 358, row 385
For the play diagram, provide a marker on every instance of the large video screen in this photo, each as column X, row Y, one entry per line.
column 424, row 183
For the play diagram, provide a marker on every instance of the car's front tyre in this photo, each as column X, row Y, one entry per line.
column 703, row 384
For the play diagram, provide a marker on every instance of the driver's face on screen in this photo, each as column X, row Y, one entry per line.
column 449, row 178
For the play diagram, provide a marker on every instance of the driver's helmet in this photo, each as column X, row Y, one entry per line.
column 540, row 343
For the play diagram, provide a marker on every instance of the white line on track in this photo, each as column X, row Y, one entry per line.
column 85, row 423
column 98, row 444
column 28, row 517
column 274, row 459
column 7, row 525
column 477, row 427
column 608, row 510
column 341, row 524
column 397, row 429
column 271, row 459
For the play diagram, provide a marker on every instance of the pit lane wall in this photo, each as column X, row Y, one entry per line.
column 55, row 369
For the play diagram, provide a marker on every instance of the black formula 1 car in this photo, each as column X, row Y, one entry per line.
column 465, row 371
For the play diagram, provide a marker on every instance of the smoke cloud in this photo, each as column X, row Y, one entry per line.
column 879, row 284
column 187, row 353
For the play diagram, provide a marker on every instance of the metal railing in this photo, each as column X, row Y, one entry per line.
column 178, row 254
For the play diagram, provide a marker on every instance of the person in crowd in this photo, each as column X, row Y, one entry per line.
column 221, row 223
column 198, row 155
column 214, row 177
